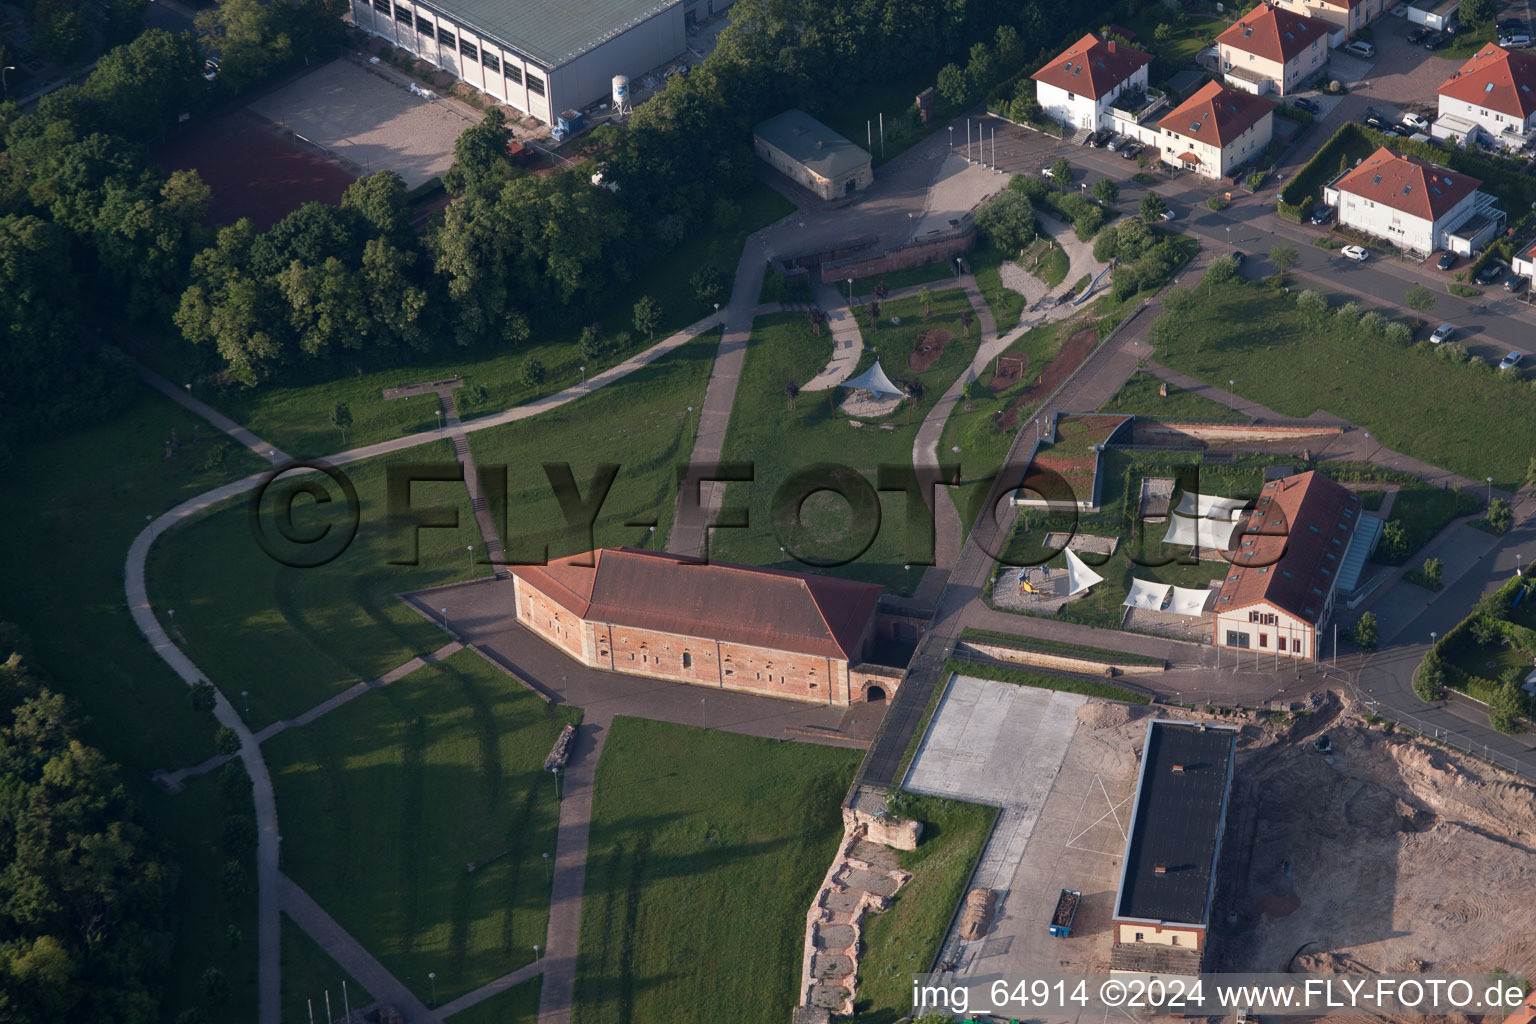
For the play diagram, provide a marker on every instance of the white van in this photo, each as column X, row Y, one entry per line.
column 1360, row 48
column 1519, row 42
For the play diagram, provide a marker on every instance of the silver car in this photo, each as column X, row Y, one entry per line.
column 1442, row 333
column 1511, row 361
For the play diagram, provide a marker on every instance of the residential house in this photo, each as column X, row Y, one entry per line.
column 1217, row 130
column 1078, row 87
column 1271, row 49
column 1346, row 16
column 1414, row 204
column 1495, row 90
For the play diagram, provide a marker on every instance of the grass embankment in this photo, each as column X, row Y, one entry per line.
column 781, row 441
column 905, row 939
column 706, row 851
column 1007, row 305
column 387, row 800
column 1423, row 512
column 74, row 503
column 1140, row 397
column 1058, row 647
column 1039, row 680
column 297, row 417
column 1410, row 399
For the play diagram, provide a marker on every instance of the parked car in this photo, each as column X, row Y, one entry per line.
column 1446, row 261
column 1510, row 27
column 1098, row 138
column 1360, row 48
column 1310, row 106
column 1354, row 252
column 1511, row 361
column 1323, row 214
column 1130, row 150
column 1116, row 142
column 1491, row 272
column 1515, row 42
column 211, row 69
column 1237, row 257
column 1418, row 35
column 1418, row 122
column 1169, row 215
column 1435, row 40
column 1394, row 132
column 1515, row 283
column 1375, row 121
column 1442, row 333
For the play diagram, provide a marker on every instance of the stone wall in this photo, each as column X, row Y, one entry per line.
column 549, row 620
column 903, row 257
column 1236, row 432
column 862, row 677
column 885, row 829
column 1059, row 662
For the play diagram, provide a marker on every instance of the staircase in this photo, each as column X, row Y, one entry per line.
column 1081, row 138
column 1360, row 547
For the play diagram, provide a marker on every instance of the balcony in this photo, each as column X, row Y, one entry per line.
column 1140, row 107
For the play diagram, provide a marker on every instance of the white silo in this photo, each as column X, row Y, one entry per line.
column 621, row 94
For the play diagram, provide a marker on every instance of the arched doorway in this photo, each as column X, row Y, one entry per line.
column 874, row 693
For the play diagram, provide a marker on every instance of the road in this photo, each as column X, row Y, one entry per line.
column 1490, row 325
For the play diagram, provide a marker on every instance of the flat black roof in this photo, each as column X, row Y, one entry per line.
column 1176, row 823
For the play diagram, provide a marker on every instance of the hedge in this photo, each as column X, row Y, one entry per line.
column 1059, row 647
column 1066, row 684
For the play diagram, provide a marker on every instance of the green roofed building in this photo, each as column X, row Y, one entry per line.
column 541, row 56
column 812, row 155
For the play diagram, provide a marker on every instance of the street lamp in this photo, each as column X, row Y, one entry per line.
column 1517, row 564
column 471, row 550
column 850, row 293
column 535, row 954
column 583, row 377
column 272, row 454
column 717, row 309
column 951, row 138
column 12, row 67
column 439, row 419
column 445, row 618
column 1490, row 492
column 1432, row 636
column 690, row 419
column 246, row 694
column 546, row 869
column 432, row 977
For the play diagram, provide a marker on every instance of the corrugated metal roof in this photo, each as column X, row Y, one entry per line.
column 811, row 144
column 786, row 611
column 552, row 32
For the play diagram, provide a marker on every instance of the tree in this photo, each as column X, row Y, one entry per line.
column 1476, row 12
column 978, row 71
column 966, row 389
column 1506, row 705
column 1429, row 680
column 953, row 85
column 925, row 298
column 1394, row 540
column 1163, row 32
column 647, row 314
column 591, row 345
column 1222, row 269
column 480, row 155
column 341, row 419
column 1432, row 572
column 1500, row 516
column 1106, row 191
column 1366, row 632
column 707, row 282
column 203, row 697
column 1420, row 299
column 1007, row 220
column 1061, row 173
column 966, row 319
column 1153, row 207
column 226, row 740
column 1284, row 257
column 379, row 202
column 791, row 392
column 532, row 373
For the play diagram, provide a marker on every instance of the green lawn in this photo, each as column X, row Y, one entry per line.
column 1043, row 681
column 309, row 974
column 293, row 637
column 1140, row 397
column 905, row 939
column 641, row 423
column 706, row 851
column 934, row 274
column 1424, row 511
column 1051, row 266
column 1006, row 304
column 1409, row 399
column 778, row 288
column 517, row 1005
column 386, row 800
column 781, row 442
column 296, row 417
column 1058, row 647
column 74, row 503
column 1189, row 37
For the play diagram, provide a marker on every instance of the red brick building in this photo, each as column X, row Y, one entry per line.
column 733, row 627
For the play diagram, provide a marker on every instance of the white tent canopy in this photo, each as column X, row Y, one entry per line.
column 1185, row 532
column 1079, row 576
column 875, row 382
column 1188, row 601
column 1146, row 595
column 1209, row 506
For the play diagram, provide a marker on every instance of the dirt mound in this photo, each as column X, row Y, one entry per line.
column 1006, row 372
column 976, row 918
column 1103, row 716
column 927, row 349
column 1071, row 356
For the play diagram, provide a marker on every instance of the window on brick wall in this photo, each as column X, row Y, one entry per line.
column 687, row 660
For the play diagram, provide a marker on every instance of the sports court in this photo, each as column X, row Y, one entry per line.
column 357, row 113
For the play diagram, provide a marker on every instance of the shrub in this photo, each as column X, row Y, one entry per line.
column 1429, row 680
column 533, row 373
column 1399, row 333
column 1506, row 705
column 1312, row 303
column 1217, row 203
column 1453, row 351
column 226, row 741
column 1222, row 269
column 203, row 696
column 1366, row 634
column 1375, row 323
column 1500, row 516
column 1349, row 312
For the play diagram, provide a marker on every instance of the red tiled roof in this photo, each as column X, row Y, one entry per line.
column 1289, row 551
column 1216, row 115
column 1497, row 79
column 1274, row 33
column 1343, row 5
column 1092, row 67
column 1413, row 186
column 787, row 611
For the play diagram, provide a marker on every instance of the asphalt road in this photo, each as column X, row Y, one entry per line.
column 1489, row 326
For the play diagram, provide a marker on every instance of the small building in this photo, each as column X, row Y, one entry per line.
column 1346, row 16
column 1271, row 49
column 1162, row 910
column 731, row 627
column 812, row 155
column 1495, row 90
column 1217, row 130
column 1437, row 15
column 1079, row 86
column 1305, row 541
column 539, row 56
column 1525, row 261
column 1414, row 204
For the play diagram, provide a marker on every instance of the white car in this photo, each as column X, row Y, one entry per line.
column 1354, row 252
column 1416, row 121
column 1442, row 333
column 1511, row 361
column 1169, row 215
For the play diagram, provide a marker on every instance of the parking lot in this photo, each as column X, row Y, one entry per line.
column 1063, row 770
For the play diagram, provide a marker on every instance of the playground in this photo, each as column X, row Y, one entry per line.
column 1006, row 371
column 1057, row 370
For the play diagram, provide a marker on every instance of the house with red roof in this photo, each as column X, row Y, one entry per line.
column 1496, row 91
column 1525, row 261
column 1346, row 16
column 1079, row 85
column 1301, row 545
column 733, row 627
column 1414, row 204
column 1271, row 49
column 1217, row 130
